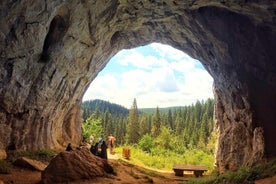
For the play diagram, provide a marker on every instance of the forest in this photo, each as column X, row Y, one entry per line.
column 173, row 130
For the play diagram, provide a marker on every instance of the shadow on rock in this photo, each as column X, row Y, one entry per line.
column 75, row 165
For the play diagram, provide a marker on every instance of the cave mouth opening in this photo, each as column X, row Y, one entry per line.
column 155, row 75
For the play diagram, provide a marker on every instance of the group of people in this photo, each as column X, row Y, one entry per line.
column 100, row 147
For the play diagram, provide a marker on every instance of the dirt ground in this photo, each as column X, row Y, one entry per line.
column 125, row 174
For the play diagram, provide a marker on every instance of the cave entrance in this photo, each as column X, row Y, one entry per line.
column 155, row 75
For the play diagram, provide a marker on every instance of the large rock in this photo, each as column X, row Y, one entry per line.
column 30, row 164
column 50, row 51
column 75, row 165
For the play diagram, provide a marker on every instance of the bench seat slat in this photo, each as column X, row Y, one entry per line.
column 189, row 167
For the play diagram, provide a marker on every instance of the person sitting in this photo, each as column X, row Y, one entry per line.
column 69, row 147
column 100, row 141
column 103, row 153
column 94, row 149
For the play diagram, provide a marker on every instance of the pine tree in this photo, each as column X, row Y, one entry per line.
column 144, row 127
column 107, row 123
column 133, row 124
column 120, row 130
column 156, row 127
column 170, row 119
column 179, row 122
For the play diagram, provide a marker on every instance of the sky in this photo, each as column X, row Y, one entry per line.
column 156, row 75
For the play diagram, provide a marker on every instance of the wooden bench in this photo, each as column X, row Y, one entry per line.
column 197, row 169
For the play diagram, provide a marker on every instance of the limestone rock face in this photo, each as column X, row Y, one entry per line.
column 50, row 51
column 75, row 165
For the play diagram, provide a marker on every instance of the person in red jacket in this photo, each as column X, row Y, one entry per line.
column 111, row 142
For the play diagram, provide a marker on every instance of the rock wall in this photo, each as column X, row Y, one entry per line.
column 50, row 51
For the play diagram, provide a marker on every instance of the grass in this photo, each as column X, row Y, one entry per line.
column 42, row 155
column 245, row 175
column 164, row 159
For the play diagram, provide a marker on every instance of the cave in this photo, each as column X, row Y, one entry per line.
column 234, row 40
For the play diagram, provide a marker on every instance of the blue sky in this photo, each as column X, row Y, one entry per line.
column 156, row 75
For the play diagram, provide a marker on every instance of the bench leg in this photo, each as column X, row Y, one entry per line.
column 198, row 173
column 178, row 172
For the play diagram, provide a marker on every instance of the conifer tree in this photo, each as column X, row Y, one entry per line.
column 170, row 119
column 156, row 126
column 144, row 127
column 133, row 135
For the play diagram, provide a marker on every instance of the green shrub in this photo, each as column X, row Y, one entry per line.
column 245, row 175
column 263, row 169
column 5, row 167
column 239, row 176
column 146, row 143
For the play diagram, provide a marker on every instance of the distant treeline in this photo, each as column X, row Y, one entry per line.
column 89, row 106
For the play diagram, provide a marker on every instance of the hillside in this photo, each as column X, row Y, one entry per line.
column 114, row 109
column 162, row 109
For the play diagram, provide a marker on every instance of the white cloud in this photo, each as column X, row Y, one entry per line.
column 138, row 60
column 165, row 79
column 154, row 81
column 103, row 87
column 170, row 52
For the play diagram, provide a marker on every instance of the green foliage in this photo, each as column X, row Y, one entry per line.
column 184, row 131
column 164, row 159
column 43, row 155
column 145, row 127
column 133, row 124
column 239, row 176
column 191, row 126
column 5, row 167
column 164, row 139
column 211, row 145
column 88, row 107
column 92, row 126
column 263, row 169
column 146, row 143
column 245, row 175
column 156, row 123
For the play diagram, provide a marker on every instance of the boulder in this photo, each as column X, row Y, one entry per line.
column 3, row 154
column 30, row 164
column 75, row 165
